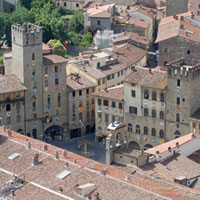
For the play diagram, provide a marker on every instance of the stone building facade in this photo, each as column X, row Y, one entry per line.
column 70, row 4
column 174, row 7
column 8, row 5
column 44, row 75
column 109, row 107
column 177, row 38
column 161, row 105
column 145, row 109
column 182, row 96
column 12, row 103
column 81, row 105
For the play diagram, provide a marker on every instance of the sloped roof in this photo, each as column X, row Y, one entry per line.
column 53, row 59
column 144, row 77
column 41, row 180
column 81, row 83
column 116, row 92
column 10, row 83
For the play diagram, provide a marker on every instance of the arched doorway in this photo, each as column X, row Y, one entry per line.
column 20, row 131
column 54, row 132
column 177, row 134
column 147, row 146
column 134, row 145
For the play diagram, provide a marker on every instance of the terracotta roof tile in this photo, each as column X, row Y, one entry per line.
column 139, row 23
column 180, row 27
column 10, row 83
column 41, row 181
column 144, row 77
column 78, row 82
column 126, row 54
column 53, row 59
column 116, row 93
column 162, row 148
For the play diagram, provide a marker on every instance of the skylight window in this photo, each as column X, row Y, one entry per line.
column 63, row 174
column 13, row 156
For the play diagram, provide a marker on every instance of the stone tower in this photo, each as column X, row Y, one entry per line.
column 174, row 7
column 1, row 5
column 27, row 65
column 182, row 98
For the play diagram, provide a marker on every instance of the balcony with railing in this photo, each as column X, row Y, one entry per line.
column 15, row 100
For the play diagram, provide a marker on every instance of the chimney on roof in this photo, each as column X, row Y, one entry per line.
column 56, row 155
column 28, row 145
column 106, row 90
column 65, row 153
column 127, row 178
column 192, row 15
column 157, row 156
column 45, row 147
column 169, row 149
column 133, row 68
column 36, row 159
column 150, row 71
column 182, row 18
column 96, row 196
column 177, row 145
column 96, row 6
column 175, row 17
column 193, row 136
column 9, row 132
column 182, row 26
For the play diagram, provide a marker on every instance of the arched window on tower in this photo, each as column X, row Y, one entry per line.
column 153, row 132
column 130, row 127
column 161, row 134
column 33, row 56
column 153, row 113
column 146, row 112
column 138, row 129
column 177, row 117
column 161, row 115
column 178, row 101
column 34, row 106
column 145, row 130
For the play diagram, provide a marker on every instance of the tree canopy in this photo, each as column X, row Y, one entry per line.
column 59, row 49
column 51, row 19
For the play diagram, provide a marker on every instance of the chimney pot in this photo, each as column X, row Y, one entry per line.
column 28, row 145
column 36, row 159
column 56, row 155
column 45, row 147
column 65, row 153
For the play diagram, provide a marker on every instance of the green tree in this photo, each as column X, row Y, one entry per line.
column 63, row 11
column 87, row 39
column 25, row 3
column 59, row 49
column 75, row 38
column 51, row 22
column 21, row 15
column 41, row 3
column 76, row 23
column 5, row 30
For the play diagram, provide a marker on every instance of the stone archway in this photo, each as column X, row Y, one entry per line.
column 54, row 132
column 134, row 145
column 148, row 146
column 177, row 134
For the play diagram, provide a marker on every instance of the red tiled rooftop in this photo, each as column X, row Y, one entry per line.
column 116, row 93
column 43, row 176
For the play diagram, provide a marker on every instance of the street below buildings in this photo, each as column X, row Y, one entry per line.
column 96, row 151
